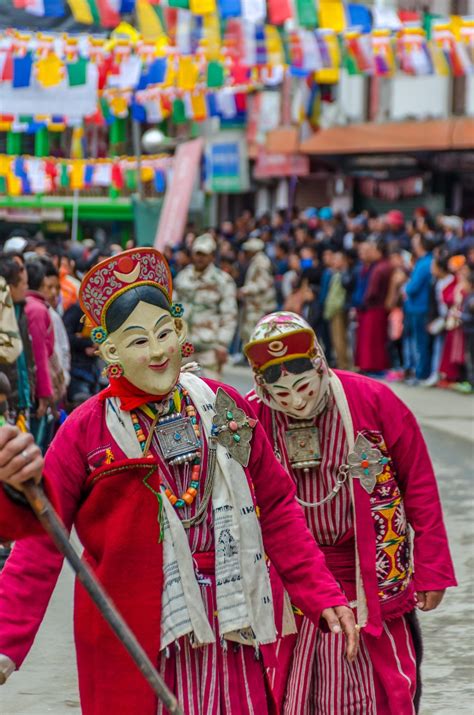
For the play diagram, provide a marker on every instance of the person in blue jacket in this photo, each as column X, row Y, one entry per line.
column 416, row 308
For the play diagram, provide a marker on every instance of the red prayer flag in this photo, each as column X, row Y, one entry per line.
column 117, row 176
column 240, row 73
column 409, row 16
column 7, row 74
column 279, row 11
column 50, row 169
column 109, row 17
column 241, row 101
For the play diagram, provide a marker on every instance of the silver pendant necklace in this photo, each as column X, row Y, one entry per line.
column 303, row 450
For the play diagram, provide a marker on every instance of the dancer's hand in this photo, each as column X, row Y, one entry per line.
column 7, row 666
column 341, row 618
column 20, row 458
column 429, row 600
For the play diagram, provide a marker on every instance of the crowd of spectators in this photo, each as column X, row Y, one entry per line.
column 387, row 296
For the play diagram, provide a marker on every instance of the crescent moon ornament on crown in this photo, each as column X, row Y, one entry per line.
column 112, row 277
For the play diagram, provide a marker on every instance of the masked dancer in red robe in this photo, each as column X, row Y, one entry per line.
column 363, row 476
column 162, row 474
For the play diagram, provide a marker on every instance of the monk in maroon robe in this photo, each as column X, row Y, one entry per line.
column 372, row 331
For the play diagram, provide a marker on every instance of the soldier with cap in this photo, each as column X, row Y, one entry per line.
column 258, row 293
column 208, row 296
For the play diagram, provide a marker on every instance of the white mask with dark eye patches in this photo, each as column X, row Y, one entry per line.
column 300, row 396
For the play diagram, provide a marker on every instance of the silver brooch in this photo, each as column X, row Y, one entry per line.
column 366, row 462
column 232, row 428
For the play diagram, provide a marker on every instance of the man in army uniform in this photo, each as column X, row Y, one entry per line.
column 208, row 296
column 258, row 294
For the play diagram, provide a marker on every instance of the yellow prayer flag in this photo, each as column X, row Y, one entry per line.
column 5, row 163
column 456, row 24
column 274, row 46
column 171, row 74
column 77, row 151
column 332, row 15
column 198, row 104
column 187, row 73
column 124, row 29
column 202, row 7
column 147, row 174
column 5, row 126
column 148, row 21
column 81, row 11
column 13, row 184
column 327, row 76
column 50, row 70
column 211, row 36
column 118, row 106
column 76, row 176
column 440, row 63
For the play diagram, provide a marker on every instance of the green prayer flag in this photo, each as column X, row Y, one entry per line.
column 104, row 108
column 64, row 176
column 306, row 13
column 77, row 72
column 114, row 193
column 13, row 143
column 42, row 142
column 118, row 131
column 184, row 4
column 215, row 74
column 131, row 179
column 3, row 185
column 350, row 64
column 428, row 20
column 178, row 115
column 94, row 11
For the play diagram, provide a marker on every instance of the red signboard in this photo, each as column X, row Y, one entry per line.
column 275, row 166
column 178, row 194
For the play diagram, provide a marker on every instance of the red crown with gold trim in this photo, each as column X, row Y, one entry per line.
column 279, row 337
column 112, row 277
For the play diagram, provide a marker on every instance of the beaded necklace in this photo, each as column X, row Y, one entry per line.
column 195, row 457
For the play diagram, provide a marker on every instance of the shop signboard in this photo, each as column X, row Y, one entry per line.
column 227, row 165
column 272, row 166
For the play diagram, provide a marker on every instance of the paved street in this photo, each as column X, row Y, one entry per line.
column 47, row 682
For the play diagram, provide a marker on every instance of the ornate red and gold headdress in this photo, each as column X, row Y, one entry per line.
column 279, row 337
column 112, row 277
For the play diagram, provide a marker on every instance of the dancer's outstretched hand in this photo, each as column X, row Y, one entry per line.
column 341, row 619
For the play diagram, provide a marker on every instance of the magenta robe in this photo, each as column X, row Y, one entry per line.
column 118, row 528
column 377, row 411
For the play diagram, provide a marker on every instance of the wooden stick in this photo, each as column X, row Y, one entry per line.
column 55, row 528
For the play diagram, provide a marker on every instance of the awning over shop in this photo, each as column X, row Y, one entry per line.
column 436, row 135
